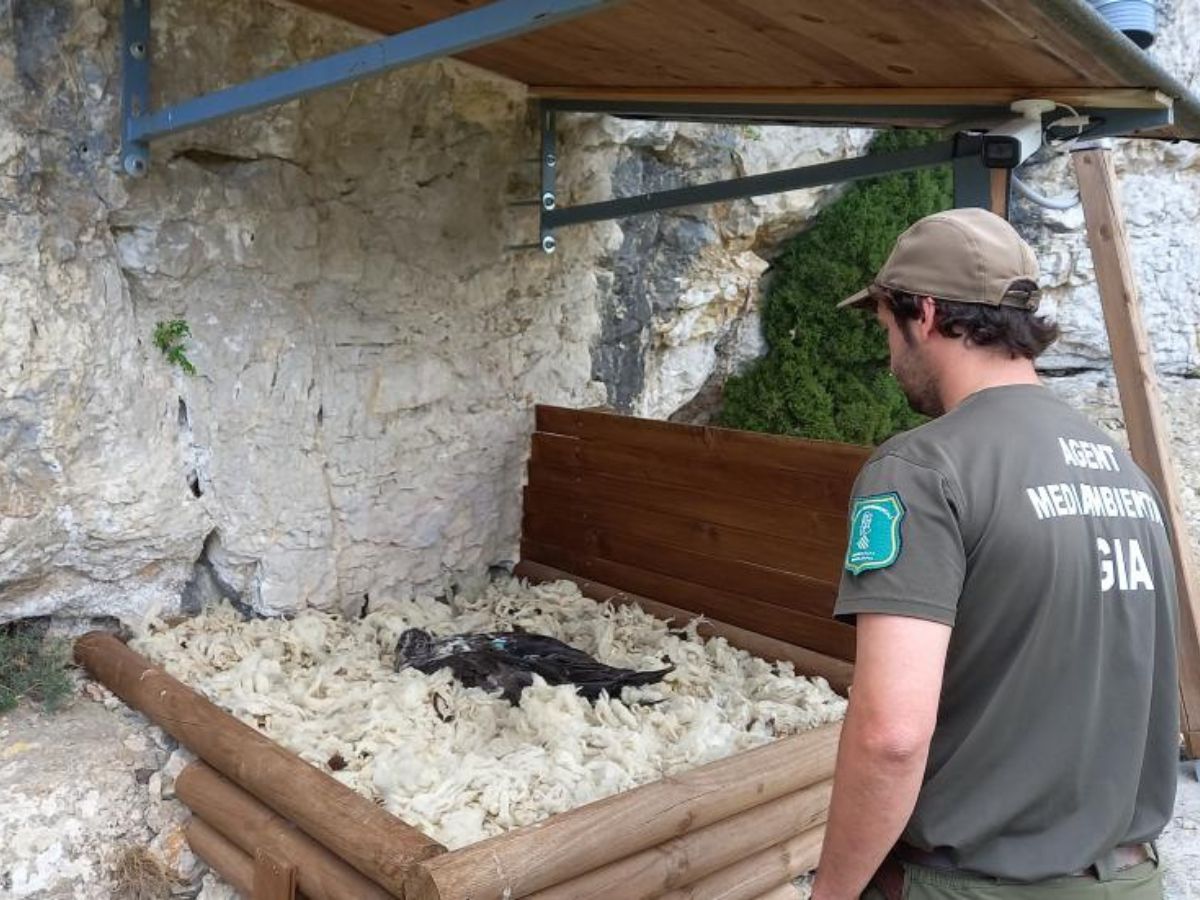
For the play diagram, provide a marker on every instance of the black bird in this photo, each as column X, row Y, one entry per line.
column 506, row 661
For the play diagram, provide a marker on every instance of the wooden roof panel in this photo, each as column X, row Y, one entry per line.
column 863, row 51
column 771, row 43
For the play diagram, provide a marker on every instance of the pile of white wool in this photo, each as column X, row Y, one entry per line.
column 461, row 764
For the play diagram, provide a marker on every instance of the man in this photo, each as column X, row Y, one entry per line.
column 1013, row 724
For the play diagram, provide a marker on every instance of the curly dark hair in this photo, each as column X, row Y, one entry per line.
column 1017, row 332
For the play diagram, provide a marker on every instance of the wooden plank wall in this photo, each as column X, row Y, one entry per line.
column 746, row 528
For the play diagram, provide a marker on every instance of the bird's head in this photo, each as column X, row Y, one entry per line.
column 412, row 647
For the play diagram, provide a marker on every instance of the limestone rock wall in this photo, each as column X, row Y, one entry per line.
column 367, row 352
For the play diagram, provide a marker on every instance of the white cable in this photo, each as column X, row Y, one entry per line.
column 1064, row 202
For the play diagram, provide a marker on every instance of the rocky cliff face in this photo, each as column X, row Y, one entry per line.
column 367, row 350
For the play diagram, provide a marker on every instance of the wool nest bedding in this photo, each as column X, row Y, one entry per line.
column 462, row 764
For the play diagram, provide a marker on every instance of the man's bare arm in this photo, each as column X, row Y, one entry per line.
column 884, row 747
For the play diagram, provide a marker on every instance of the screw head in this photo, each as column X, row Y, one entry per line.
column 134, row 165
column 137, row 50
column 551, row 160
column 549, row 244
column 548, row 200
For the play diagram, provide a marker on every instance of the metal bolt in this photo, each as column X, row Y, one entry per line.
column 137, row 50
column 549, row 244
column 551, row 160
column 548, row 200
column 135, row 165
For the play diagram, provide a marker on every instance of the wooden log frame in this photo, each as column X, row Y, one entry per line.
column 1141, row 403
column 250, row 826
column 373, row 841
column 521, row 862
column 221, row 855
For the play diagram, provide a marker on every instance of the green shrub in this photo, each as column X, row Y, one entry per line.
column 32, row 667
column 825, row 373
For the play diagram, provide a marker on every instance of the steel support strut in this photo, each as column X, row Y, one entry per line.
column 496, row 21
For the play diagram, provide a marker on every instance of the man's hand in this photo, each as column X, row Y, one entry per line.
column 883, row 749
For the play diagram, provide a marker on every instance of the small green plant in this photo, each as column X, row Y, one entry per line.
column 169, row 337
column 750, row 132
column 32, row 667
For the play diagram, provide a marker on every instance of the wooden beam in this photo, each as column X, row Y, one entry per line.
column 1001, row 188
column 1110, row 98
column 220, row 855
column 369, row 838
column 274, row 877
column 250, row 825
column 519, row 862
column 749, row 877
column 1137, row 383
column 698, row 854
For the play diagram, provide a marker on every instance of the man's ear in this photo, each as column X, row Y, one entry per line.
column 925, row 324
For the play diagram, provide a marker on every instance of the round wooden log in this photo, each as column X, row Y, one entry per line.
column 221, row 856
column 747, row 878
column 370, row 839
column 837, row 672
column 685, row 859
column 525, row 860
column 252, row 826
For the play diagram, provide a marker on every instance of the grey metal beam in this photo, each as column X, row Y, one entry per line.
column 756, row 185
column 496, row 21
column 135, row 81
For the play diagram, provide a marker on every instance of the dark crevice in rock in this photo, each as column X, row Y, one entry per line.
column 183, row 414
column 221, row 162
column 194, row 485
column 1069, row 371
column 320, row 415
column 366, row 605
column 656, row 251
column 206, row 586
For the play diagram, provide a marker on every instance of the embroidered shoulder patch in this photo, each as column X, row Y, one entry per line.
column 874, row 532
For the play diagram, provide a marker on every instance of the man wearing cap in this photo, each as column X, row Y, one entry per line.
column 1013, row 725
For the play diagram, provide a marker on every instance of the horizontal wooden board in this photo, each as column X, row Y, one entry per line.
column 824, row 635
column 782, row 588
column 816, row 556
column 778, row 519
column 752, row 481
column 681, row 443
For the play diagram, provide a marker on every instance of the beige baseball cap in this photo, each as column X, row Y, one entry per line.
column 967, row 255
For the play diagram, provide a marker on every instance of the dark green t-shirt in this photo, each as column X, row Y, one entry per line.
column 1016, row 521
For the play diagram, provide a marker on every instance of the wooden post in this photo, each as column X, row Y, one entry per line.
column 274, row 877
column 221, row 856
column 525, row 860
column 367, row 837
column 1000, row 188
column 249, row 825
column 1141, row 403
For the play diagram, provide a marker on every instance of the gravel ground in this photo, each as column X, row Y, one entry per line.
column 83, row 784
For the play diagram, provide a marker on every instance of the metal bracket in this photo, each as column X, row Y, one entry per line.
column 135, row 83
column 972, row 180
column 476, row 27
